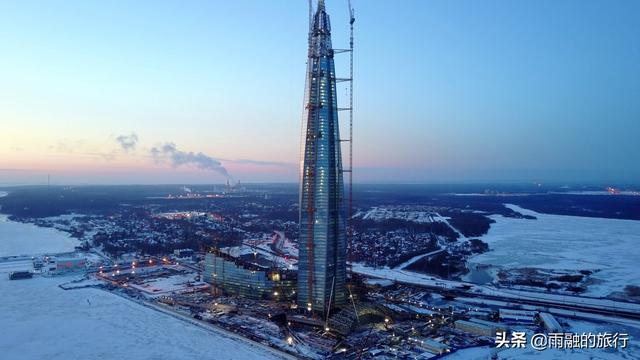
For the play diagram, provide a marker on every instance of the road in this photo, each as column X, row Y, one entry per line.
column 418, row 257
column 585, row 304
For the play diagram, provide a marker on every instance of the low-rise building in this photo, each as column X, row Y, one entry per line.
column 18, row 275
column 238, row 277
column 549, row 322
column 430, row 345
column 64, row 265
column 480, row 327
column 183, row 253
column 498, row 327
column 517, row 316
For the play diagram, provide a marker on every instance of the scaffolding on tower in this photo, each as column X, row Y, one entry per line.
column 352, row 19
column 349, row 170
column 311, row 108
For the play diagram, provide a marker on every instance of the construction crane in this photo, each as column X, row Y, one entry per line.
column 310, row 210
column 352, row 19
column 350, row 141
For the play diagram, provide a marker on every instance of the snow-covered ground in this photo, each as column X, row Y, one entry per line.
column 42, row 321
column 26, row 239
column 416, row 258
column 408, row 213
column 608, row 324
column 445, row 220
column 18, row 238
column 483, row 353
column 262, row 247
column 575, row 327
column 598, row 192
column 170, row 284
column 567, row 242
column 410, row 277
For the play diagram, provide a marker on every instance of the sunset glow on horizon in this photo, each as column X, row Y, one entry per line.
column 444, row 92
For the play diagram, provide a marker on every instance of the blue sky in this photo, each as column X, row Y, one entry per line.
column 446, row 91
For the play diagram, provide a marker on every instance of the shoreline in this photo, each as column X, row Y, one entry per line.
column 204, row 325
column 17, row 235
column 542, row 244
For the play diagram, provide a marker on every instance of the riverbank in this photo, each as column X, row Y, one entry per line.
column 607, row 247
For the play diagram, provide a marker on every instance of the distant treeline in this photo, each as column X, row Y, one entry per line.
column 468, row 223
column 41, row 201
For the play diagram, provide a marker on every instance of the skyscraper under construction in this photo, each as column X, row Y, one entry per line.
column 322, row 262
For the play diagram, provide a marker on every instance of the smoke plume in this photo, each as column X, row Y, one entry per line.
column 127, row 142
column 168, row 152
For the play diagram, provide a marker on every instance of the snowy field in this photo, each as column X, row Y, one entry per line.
column 26, row 239
column 174, row 283
column 408, row 213
column 484, row 353
column 42, row 321
column 567, row 242
column 576, row 327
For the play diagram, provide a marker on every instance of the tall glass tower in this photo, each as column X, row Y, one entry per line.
column 322, row 262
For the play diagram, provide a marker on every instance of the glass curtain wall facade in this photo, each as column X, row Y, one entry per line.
column 236, row 277
column 322, row 263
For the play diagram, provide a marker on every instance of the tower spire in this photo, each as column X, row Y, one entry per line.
column 322, row 241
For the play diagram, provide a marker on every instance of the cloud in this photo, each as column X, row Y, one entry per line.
column 168, row 152
column 68, row 146
column 127, row 142
column 81, row 148
column 105, row 156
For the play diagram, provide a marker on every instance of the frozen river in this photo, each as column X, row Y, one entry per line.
column 42, row 321
column 567, row 242
column 26, row 239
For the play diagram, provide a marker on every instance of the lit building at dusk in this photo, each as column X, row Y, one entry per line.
column 322, row 244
